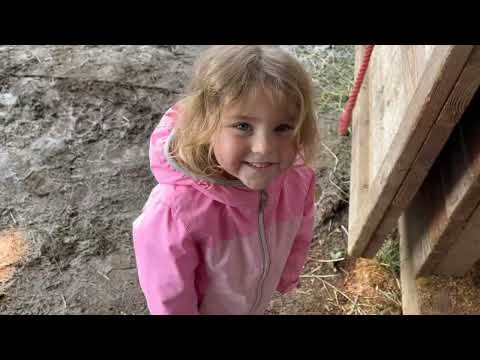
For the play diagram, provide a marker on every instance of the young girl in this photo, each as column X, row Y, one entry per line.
column 231, row 218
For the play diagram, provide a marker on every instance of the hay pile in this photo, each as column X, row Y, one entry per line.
column 372, row 289
column 449, row 295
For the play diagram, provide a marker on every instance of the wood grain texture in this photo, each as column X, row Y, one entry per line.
column 407, row 277
column 360, row 151
column 436, row 83
column 465, row 251
column 460, row 97
column 445, row 229
column 395, row 75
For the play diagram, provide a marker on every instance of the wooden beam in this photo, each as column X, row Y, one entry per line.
column 445, row 205
column 460, row 97
column 360, row 152
column 465, row 252
column 437, row 82
column 458, row 237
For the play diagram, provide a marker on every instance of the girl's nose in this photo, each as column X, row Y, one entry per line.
column 262, row 144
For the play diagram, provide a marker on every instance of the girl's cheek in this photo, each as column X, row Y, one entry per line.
column 237, row 149
column 229, row 147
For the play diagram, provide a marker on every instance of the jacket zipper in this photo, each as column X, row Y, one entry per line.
column 264, row 247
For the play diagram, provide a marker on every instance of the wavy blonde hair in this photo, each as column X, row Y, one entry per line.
column 224, row 75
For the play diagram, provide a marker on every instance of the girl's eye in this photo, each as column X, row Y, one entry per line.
column 242, row 126
column 283, row 128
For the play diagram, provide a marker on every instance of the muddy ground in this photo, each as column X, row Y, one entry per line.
column 75, row 123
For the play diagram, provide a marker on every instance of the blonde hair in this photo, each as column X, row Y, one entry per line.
column 225, row 74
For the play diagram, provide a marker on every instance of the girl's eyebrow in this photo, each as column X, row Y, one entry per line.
column 246, row 117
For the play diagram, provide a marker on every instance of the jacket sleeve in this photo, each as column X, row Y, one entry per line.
column 298, row 254
column 166, row 260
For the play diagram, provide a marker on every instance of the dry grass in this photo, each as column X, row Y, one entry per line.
column 449, row 294
column 331, row 67
column 374, row 287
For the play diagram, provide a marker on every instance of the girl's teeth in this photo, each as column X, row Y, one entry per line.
column 260, row 165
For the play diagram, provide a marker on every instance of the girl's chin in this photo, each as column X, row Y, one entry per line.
column 256, row 184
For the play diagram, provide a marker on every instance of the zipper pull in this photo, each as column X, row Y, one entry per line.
column 263, row 199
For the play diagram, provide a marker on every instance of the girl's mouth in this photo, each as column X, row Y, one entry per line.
column 259, row 165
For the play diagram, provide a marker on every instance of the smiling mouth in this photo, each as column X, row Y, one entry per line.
column 259, row 165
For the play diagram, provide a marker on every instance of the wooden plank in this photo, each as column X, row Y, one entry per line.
column 465, row 252
column 437, row 81
column 452, row 192
column 464, row 196
column 433, row 295
column 360, row 158
column 465, row 88
column 395, row 73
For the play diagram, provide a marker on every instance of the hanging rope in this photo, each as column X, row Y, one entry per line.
column 346, row 116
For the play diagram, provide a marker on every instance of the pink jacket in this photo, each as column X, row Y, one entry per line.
column 208, row 248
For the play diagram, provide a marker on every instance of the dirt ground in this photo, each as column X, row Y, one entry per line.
column 74, row 174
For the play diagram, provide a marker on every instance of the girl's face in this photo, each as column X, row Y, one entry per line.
column 255, row 142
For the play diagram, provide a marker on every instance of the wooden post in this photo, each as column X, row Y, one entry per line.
column 360, row 152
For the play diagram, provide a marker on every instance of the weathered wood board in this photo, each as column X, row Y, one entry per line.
column 465, row 252
column 443, row 217
column 411, row 99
